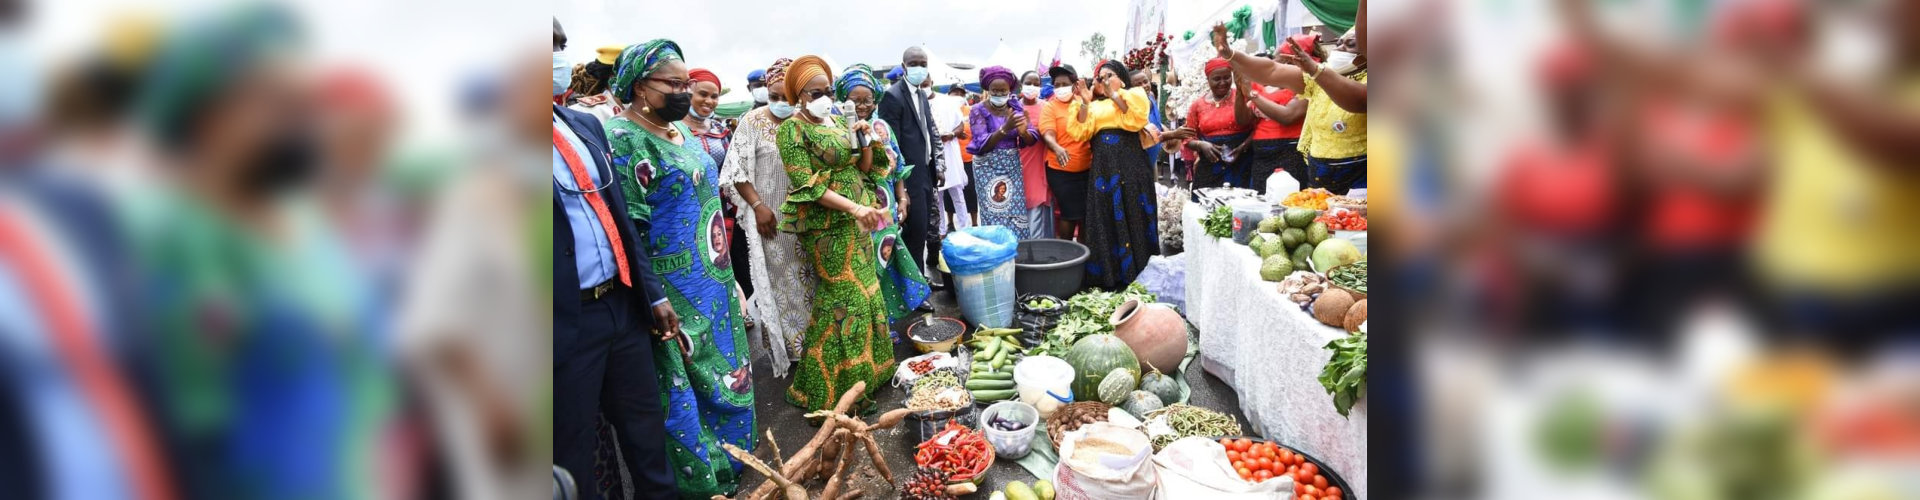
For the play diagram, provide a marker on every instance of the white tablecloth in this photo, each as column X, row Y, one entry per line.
column 1271, row 352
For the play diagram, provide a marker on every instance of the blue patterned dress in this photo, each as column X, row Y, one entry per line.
column 673, row 196
column 901, row 283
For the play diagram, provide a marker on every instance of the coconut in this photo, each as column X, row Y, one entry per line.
column 1331, row 308
column 1355, row 316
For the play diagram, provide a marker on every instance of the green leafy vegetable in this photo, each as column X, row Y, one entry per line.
column 1088, row 313
column 1345, row 375
column 1219, row 223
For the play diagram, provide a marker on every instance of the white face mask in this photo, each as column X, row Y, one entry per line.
column 999, row 101
column 1340, row 61
column 1030, row 92
column 760, row 95
column 1063, row 94
column 781, row 109
column 820, row 107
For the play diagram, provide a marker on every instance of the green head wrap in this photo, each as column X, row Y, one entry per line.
column 639, row 60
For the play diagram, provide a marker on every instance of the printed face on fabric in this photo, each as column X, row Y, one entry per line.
column 717, row 241
column 886, row 251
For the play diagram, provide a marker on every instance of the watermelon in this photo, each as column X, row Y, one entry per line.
column 1161, row 385
column 1114, row 388
column 1138, row 403
column 1093, row 358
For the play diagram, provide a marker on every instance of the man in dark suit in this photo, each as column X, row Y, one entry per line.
column 602, row 280
column 906, row 108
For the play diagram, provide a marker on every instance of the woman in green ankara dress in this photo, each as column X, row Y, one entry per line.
column 834, row 210
column 673, row 196
column 901, row 284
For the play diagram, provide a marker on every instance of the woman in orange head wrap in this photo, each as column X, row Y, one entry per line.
column 832, row 207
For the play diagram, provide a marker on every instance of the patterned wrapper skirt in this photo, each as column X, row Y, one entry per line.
column 1212, row 174
column 1121, row 226
column 1266, row 155
column 1001, row 192
column 1337, row 175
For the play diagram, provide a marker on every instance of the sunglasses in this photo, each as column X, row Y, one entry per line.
column 813, row 94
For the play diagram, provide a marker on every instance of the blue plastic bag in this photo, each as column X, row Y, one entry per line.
column 978, row 249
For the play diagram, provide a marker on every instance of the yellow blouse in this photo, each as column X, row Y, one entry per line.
column 1105, row 115
column 1332, row 132
column 1834, row 221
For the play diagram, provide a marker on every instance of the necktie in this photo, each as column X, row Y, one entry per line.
column 599, row 205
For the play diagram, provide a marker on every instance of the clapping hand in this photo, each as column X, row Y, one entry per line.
column 1220, row 41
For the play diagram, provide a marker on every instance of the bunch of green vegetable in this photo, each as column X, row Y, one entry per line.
column 1345, row 375
column 1352, row 276
column 1187, row 420
column 1088, row 313
column 1219, row 223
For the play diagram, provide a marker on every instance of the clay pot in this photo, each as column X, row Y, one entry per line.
column 1157, row 334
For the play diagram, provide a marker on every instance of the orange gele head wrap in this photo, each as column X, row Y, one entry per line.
column 803, row 70
column 1215, row 64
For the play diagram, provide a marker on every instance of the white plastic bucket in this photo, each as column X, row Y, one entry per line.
column 1045, row 382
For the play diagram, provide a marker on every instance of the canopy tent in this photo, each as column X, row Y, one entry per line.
column 732, row 109
column 1337, row 14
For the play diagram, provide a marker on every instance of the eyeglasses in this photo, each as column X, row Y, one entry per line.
column 813, row 94
column 1348, row 43
column 675, row 85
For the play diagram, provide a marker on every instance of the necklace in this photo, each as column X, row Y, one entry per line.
column 673, row 134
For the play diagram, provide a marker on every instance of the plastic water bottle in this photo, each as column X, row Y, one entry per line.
column 1279, row 185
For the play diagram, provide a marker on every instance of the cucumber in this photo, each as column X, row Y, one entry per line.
column 993, row 375
column 1000, row 358
column 981, row 367
column 993, row 394
column 989, row 384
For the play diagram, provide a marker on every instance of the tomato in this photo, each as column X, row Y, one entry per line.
column 1311, row 491
column 1292, row 468
column 1334, row 492
column 1243, row 445
column 1310, row 469
column 1319, row 481
column 1262, row 475
column 1299, row 489
column 1233, row 456
column 1286, row 456
column 1244, row 472
column 1302, row 476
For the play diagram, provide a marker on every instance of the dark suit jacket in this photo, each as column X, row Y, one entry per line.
column 913, row 133
column 566, row 280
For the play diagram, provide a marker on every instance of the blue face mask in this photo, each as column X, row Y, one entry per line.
column 915, row 75
column 562, row 73
column 781, row 109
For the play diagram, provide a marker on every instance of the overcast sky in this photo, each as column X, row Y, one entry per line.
column 736, row 36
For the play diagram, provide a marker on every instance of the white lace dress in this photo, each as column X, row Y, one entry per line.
column 782, row 283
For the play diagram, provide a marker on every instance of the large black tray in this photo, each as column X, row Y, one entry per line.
column 1333, row 478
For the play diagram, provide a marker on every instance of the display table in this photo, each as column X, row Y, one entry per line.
column 1270, row 352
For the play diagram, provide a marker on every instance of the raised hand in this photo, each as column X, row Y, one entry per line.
column 1220, row 41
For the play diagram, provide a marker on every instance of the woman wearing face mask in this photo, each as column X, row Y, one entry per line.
column 782, row 283
column 1220, row 120
column 834, row 210
column 1000, row 128
column 1033, row 162
column 1122, row 225
column 672, row 189
column 1068, row 159
column 1275, row 143
column 1334, row 136
column 901, row 285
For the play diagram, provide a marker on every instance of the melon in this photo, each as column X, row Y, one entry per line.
column 1114, row 388
column 1161, row 385
column 1335, row 252
column 1093, row 358
column 1138, row 403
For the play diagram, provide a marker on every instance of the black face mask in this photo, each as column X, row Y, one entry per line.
column 286, row 163
column 676, row 107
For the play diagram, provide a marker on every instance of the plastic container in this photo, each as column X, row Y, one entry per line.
column 1044, row 382
column 981, row 260
column 1279, row 184
column 1049, row 267
column 1010, row 445
column 1246, row 218
column 986, row 299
